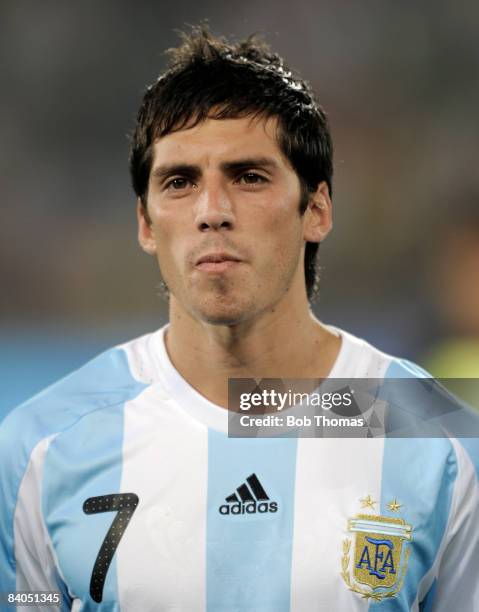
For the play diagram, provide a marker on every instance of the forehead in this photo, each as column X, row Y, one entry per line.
column 219, row 140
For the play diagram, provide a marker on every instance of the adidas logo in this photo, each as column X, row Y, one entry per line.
column 249, row 498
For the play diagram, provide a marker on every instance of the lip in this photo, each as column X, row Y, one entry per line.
column 217, row 262
column 217, row 257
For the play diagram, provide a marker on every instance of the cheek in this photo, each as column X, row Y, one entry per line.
column 171, row 242
column 170, row 251
column 279, row 244
column 282, row 230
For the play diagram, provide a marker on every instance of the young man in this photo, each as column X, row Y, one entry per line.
column 120, row 487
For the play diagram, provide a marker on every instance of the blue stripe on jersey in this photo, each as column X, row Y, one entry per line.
column 82, row 462
column 420, row 474
column 249, row 555
column 104, row 381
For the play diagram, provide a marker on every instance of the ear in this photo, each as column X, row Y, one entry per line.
column 146, row 237
column 318, row 216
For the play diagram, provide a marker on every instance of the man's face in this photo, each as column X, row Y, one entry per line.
column 224, row 222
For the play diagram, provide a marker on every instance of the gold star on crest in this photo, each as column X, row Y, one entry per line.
column 394, row 506
column 368, row 502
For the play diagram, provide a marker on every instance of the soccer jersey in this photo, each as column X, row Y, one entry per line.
column 121, row 490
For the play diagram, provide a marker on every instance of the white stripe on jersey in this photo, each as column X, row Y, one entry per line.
column 332, row 475
column 37, row 569
column 165, row 464
column 139, row 354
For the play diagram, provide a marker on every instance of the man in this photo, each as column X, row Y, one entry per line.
column 120, row 487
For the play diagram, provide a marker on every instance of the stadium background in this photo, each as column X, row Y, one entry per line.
column 398, row 80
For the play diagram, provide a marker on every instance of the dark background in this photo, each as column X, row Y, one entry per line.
column 399, row 81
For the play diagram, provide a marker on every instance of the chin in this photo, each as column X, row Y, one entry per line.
column 221, row 316
column 223, row 312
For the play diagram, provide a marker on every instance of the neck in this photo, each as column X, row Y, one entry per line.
column 284, row 342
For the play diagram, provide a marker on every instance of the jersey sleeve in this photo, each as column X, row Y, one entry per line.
column 457, row 582
column 35, row 563
column 27, row 558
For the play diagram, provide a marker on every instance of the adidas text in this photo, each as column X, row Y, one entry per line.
column 248, row 508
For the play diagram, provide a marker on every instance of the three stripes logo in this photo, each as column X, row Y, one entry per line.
column 249, row 498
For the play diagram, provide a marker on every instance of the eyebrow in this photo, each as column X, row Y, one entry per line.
column 230, row 167
column 166, row 170
column 250, row 162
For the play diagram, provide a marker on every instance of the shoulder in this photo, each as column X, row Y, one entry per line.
column 418, row 405
column 112, row 378
column 360, row 359
column 109, row 378
column 25, row 433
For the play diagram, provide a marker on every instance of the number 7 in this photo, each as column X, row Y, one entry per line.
column 125, row 505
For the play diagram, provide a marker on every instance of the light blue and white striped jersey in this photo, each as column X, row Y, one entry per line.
column 120, row 489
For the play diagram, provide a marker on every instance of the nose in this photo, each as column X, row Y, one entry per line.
column 214, row 209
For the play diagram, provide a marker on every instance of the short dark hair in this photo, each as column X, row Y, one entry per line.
column 209, row 77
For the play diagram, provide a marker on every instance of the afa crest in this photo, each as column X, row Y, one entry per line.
column 376, row 565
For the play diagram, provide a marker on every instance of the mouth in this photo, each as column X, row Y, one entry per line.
column 217, row 262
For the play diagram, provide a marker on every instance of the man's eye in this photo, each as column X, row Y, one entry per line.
column 251, row 178
column 178, row 183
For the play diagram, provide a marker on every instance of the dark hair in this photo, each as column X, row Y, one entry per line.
column 209, row 77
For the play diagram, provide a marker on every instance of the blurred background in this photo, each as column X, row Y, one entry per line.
column 400, row 82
